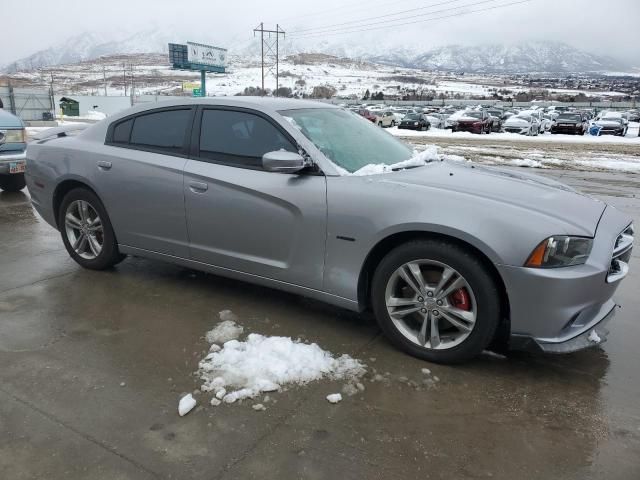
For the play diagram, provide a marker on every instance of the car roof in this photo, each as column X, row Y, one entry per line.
column 265, row 104
column 9, row 120
column 268, row 105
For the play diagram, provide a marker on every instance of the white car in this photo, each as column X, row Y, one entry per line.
column 385, row 119
column 437, row 120
column 544, row 124
column 523, row 123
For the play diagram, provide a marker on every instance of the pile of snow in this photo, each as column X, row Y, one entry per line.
column 244, row 369
column 224, row 331
column 429, row 154
column 594, row 337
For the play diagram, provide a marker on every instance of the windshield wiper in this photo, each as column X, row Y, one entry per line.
column 397, row 169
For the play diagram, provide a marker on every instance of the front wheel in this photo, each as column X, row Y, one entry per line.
column 12, row 182
column 435, row 300
column 86, row 230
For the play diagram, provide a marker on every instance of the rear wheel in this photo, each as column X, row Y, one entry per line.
column 12, row 183
column 86, row 230
column 436, row 301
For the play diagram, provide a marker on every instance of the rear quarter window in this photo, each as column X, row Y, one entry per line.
column 122, row 131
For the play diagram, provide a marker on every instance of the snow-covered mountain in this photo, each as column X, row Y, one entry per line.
column 91, row 45
column 538, row 56
column 523, row 57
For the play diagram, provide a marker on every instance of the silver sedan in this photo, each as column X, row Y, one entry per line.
column 452, row 258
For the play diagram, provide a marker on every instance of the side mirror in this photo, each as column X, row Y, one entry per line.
column 282, row 161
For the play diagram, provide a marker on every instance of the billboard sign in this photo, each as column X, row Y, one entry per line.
column 206, row 55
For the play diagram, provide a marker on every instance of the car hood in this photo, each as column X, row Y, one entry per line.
column 608, row 123
column 528, row 191
column 516, row 122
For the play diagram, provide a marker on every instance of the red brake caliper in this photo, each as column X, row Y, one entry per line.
column 460, row 299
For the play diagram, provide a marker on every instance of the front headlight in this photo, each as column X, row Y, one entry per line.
column 14, row 136
column 560, row 251
column 415, row 123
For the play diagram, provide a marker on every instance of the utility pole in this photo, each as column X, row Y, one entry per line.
column 53, row 98
column 270, row 52
column 104, row 79
column 124, row 78
column 132, row 85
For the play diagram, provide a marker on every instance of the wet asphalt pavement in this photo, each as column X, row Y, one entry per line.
column 93, row 365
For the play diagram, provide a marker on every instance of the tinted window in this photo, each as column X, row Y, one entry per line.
column 121, row 132
column 163, row 130
column 239, row 138
column 569, row 117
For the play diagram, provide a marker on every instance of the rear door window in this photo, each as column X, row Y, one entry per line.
column 239, row 138
column 162, row 131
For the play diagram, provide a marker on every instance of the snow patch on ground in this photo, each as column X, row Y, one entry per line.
column 186, row 404
column 245, row 369
column 526, row 162
column 594, row 337
column 334, row 398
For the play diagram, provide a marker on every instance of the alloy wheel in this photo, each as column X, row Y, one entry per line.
column 431, row 304
column 84, row 229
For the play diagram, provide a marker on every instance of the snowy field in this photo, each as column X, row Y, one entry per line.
column 349, row 78
column 566, row 152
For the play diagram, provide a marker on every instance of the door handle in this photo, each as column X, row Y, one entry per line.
column 198, row 187
column 102, row 165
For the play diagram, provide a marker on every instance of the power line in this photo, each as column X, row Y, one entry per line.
column 393, row 25
column 333, row 10
column 382, row 22
column 376, row 17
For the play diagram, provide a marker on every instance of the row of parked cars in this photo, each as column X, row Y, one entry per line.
column 483, row 120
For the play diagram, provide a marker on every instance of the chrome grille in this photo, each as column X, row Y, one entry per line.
column 621, row 255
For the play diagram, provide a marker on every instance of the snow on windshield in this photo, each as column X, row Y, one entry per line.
column 429, row 154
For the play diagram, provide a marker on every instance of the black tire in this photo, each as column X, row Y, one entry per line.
column 109, row 255
column 12, row 182
column 471, row 268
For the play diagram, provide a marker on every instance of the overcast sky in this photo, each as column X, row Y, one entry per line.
column 609, row 27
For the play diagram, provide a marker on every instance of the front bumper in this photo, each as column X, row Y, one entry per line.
column 467, row 128
column 591, row 337
column 410, row 127
column 555, row 309
column 573, row 130
column 520, row 130
column 7, row 158
column 611, row 131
